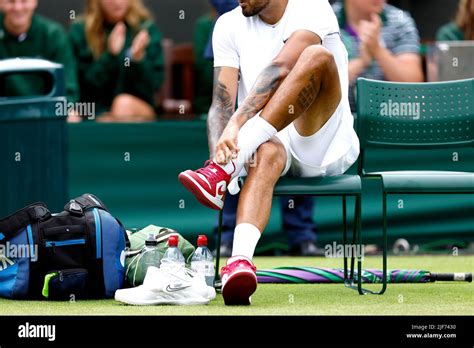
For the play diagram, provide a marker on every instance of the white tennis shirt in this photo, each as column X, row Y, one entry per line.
column 249, row 44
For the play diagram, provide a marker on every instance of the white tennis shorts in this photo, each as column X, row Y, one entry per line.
column 330, row 151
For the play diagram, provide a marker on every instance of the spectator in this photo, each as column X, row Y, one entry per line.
column 382, row 41
column 297, row 212
column 120, row 59
column 26, row 34
column 462, row 28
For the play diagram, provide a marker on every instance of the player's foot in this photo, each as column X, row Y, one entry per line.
column 208, row 184
column 239, row 281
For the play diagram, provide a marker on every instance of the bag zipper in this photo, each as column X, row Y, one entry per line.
column 54, row 244
column 72, row 271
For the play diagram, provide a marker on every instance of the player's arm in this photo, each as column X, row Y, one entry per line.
column 223, row 104
column 274, row 74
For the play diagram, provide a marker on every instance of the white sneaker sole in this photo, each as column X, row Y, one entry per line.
column 153, row 302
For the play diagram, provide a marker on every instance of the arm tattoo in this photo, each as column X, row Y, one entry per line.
column 221, row 111
column 308, row 94
column 264, row 88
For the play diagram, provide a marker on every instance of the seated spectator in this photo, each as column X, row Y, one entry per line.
column 382, row 42
column 120, row 59
column 26, row 34
column 462, row 28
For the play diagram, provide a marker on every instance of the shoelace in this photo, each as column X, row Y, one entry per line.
column 211, row 175
column 177, row 270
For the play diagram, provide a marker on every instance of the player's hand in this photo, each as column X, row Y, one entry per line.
column 227, row 148
column 139, row 46
column 116, row 40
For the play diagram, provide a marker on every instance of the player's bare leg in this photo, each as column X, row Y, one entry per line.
column 238, row 277
column 255, row 200
column 309, row 95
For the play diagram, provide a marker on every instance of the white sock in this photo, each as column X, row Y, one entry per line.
column 253, row 134
column 246, row 237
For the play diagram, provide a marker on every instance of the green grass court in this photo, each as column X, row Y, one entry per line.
column 313, row 299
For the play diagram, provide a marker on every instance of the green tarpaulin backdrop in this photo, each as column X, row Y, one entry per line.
column 134, row 168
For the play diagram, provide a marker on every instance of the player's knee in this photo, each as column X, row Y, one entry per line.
column 317, row 58
column 270, row 155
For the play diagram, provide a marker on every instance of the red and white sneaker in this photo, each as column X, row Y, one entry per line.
column 208, row 184
column 239, row 281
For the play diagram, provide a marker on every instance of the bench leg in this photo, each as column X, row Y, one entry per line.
column 384, row 246
column 363, row 291
column 359, row 245
column 344, row 236
column 355, row 232
column 217, row 278
column 350, row 281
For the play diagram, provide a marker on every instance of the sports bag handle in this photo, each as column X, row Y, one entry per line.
column 78, row 205
column 13, row 223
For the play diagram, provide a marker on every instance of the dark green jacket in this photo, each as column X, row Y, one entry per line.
column 450, row 32
column 102, row 79
column 204, row 67
column 46, row 40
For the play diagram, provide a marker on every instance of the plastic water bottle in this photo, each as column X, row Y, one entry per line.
column 202, row 261
column 173, row 255
column 151, row 255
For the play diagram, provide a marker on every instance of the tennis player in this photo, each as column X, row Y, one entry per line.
column 285, row 63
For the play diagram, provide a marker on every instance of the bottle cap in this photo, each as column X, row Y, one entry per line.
column 173, row 241
column 151, row 241
column 202, row 240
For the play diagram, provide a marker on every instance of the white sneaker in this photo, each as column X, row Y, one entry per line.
column 169, row 284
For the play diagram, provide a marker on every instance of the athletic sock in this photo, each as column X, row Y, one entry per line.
column 251, row 136
column 246, row 237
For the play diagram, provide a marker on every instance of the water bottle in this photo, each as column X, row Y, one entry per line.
column 202, row 261
column 173, row 255
column 151, row 256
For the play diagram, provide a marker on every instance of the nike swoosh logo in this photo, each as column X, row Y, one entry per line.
column 173, row 289
column 221, row 188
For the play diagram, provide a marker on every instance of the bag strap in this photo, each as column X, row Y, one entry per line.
column 165, row 233
column 13, row 223
column 78, row 205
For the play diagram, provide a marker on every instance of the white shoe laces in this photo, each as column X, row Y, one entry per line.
column 177, row 270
